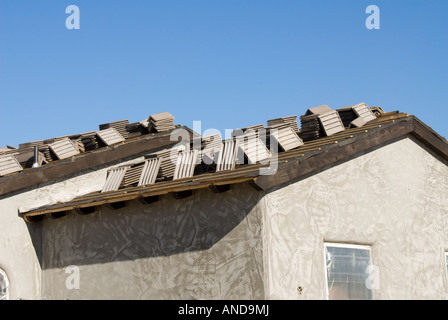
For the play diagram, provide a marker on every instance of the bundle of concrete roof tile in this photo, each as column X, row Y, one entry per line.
column 347, row 115
column 167, row 165
column 132, row 175
column 356, row 115
column 291, row 121
column 311, row 128
column 135, row 129
column 315, row 123
column 319, row 122
column 210, row 145
column 9, row 164
column 161, row 122
column 91, row 141
column 242, row 131
column 120, row 126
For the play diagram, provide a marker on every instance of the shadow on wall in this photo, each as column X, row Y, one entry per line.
column 167, row 227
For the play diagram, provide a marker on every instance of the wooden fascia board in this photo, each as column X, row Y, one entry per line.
column 430, row 138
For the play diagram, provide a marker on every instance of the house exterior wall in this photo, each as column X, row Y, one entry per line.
column 393, row 199
column 20, row 243
column 240, row 244
column 207, row 246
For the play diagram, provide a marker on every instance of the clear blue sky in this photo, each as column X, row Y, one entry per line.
column 228, row 63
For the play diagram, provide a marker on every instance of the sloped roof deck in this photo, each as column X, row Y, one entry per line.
column 87, row 160
column 292, row 165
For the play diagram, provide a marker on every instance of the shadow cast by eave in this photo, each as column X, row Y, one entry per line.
column 166, row 227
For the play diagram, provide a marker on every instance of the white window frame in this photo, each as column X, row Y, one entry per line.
column 445, row 255
column 5, row 276
column 343, row 245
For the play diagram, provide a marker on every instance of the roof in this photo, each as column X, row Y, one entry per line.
column 293, row 165
column 96, row 157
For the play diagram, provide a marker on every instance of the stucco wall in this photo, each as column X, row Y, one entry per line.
column 207, row 246
column 20, row 243
column 240, row 244
column 394, row 199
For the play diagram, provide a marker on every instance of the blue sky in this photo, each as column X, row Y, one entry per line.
column 227, row 63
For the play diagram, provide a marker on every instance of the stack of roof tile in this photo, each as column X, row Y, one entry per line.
column 132, row 175
column 319, row 122
column 91, row 141
column 310, row 125
column 9, row 164
column 242, row 131
column 167, row 165
column 285, row 136
column 331, row 122
column 254, row 149
column 110, row 136
column 79, row 145
column 135, row 129
column 44, row 146
column 149, row 172
column 290, row 121
column 26, row 157
column 120, row 126
column 347, row 115
column 363, row 111
column 114, row 178
column 64, row 148
column 227, row 155
column 356, row 115
column 161, row 122
column 185, row 165
column 210, row 145
column 311, row 128
column 377, row 110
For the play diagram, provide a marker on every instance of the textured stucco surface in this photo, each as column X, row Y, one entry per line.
column 240, row 244
column 207, row 246
column 20, row 243
column 394, row 199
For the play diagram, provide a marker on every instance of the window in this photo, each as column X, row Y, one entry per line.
column 348, row 272
column 446, row 262
column 4, row 286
